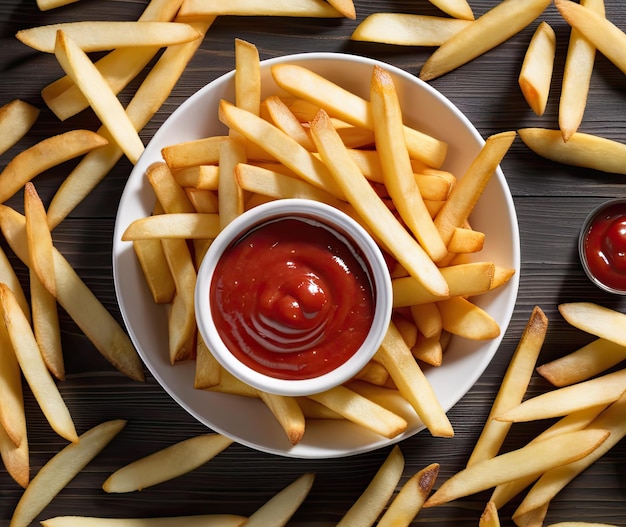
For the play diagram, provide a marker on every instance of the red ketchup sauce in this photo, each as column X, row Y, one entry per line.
column 605, row 247
column 292, row 298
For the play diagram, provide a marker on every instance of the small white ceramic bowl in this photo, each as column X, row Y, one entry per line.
column 245, row 419
column 349, row 232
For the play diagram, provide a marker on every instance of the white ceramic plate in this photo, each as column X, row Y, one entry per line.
column 246, row 420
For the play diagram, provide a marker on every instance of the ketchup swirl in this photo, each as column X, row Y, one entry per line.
column 292, row 298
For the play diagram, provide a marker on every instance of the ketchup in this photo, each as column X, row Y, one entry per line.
column 292, row 298
column 605, row 247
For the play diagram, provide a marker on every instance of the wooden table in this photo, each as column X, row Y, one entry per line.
column 551, row 200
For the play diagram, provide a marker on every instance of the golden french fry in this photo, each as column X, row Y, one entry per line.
column 44, row 155
column 12, row 416
column 602, row 33
column 61, row 469
column 345, row 7
column 168, row 463
column 230, row 194
column 33, row 367
column 501, row 276
column 247, row 77
column 579, row 62
column 372, row 209
column 155, row 270
column 39, row 238
column 313, row 410
column 463, row 280
column 396, row 165
column 396, row 357
column 208, row 371
column 45, row 5
column 188, row 225
column 460, row 317
column 429, row 350
column 488, row 31
column 581, row 149
column 15, row 458
column 288, row 413
column 283, row 117
column 351, row 108
column 148, row 98
column 489, row 517
column 536, row 74
column 410, row 499
column 586, row 362
column 389, row 398
column 466, row 241
column 597, row 320
column 16, row 118
column 282, row 506
column 198, row 9
column 103, row 101
column 427, row 319
column 562, row 401
column 279, row 145
column 370, row 504
column 100, row 36
column 45, row 320
column 373, row 373
column 467, row 191
column 78, row 301
column 230, row 384
column 204, row 151
column 512, row 388
column 406, row 327
column 362, row 411
column 8, row 276
column 532, row 459
column 573, row 422
column 199, row 520
column 455, row 8
column 552, row 481
column 407, row 29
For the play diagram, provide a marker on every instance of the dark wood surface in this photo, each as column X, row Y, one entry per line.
column 551, row 201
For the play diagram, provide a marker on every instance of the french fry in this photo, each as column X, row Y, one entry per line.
column 33, row 367
column 584, row 363
column 61, row 469
column 552, row 481
column 489, row 517
column 579, row 62
column 409, row 501
column 103, row 101
column 345, row 7
column 368, row 507
column 597, row 320
column 412, row 383
column 338, row 102
column 288, row 413
column 100, row 36
column 406, row 327
column 461, row 317
column 207, row 372
column 44, row 155
column 8, row 276
column 362, row 411
column 459, row 205
column 168, row 463
column 198, row 9
column 536, row 74
column 282, row 506
column 396, row 164
column 230, row 194
column 16, row 118
column 186, row 225
column 463, row 280
column 562, row 401
column 45, row 5
column 45, row 321
column 512, row 388
column 282, row 117
column 581, row 149
column 204, row 151
column 247, row 77
column 429, row 350
column 12, row 416
column 155, row 270
column 427, row 319
column 602, row 33
column 371, row 208
column 532, row 459
column 78, row 301
column 199, row 520
column 488, row 31
column 404, row 29
column 455, row 8
column 15, row 458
